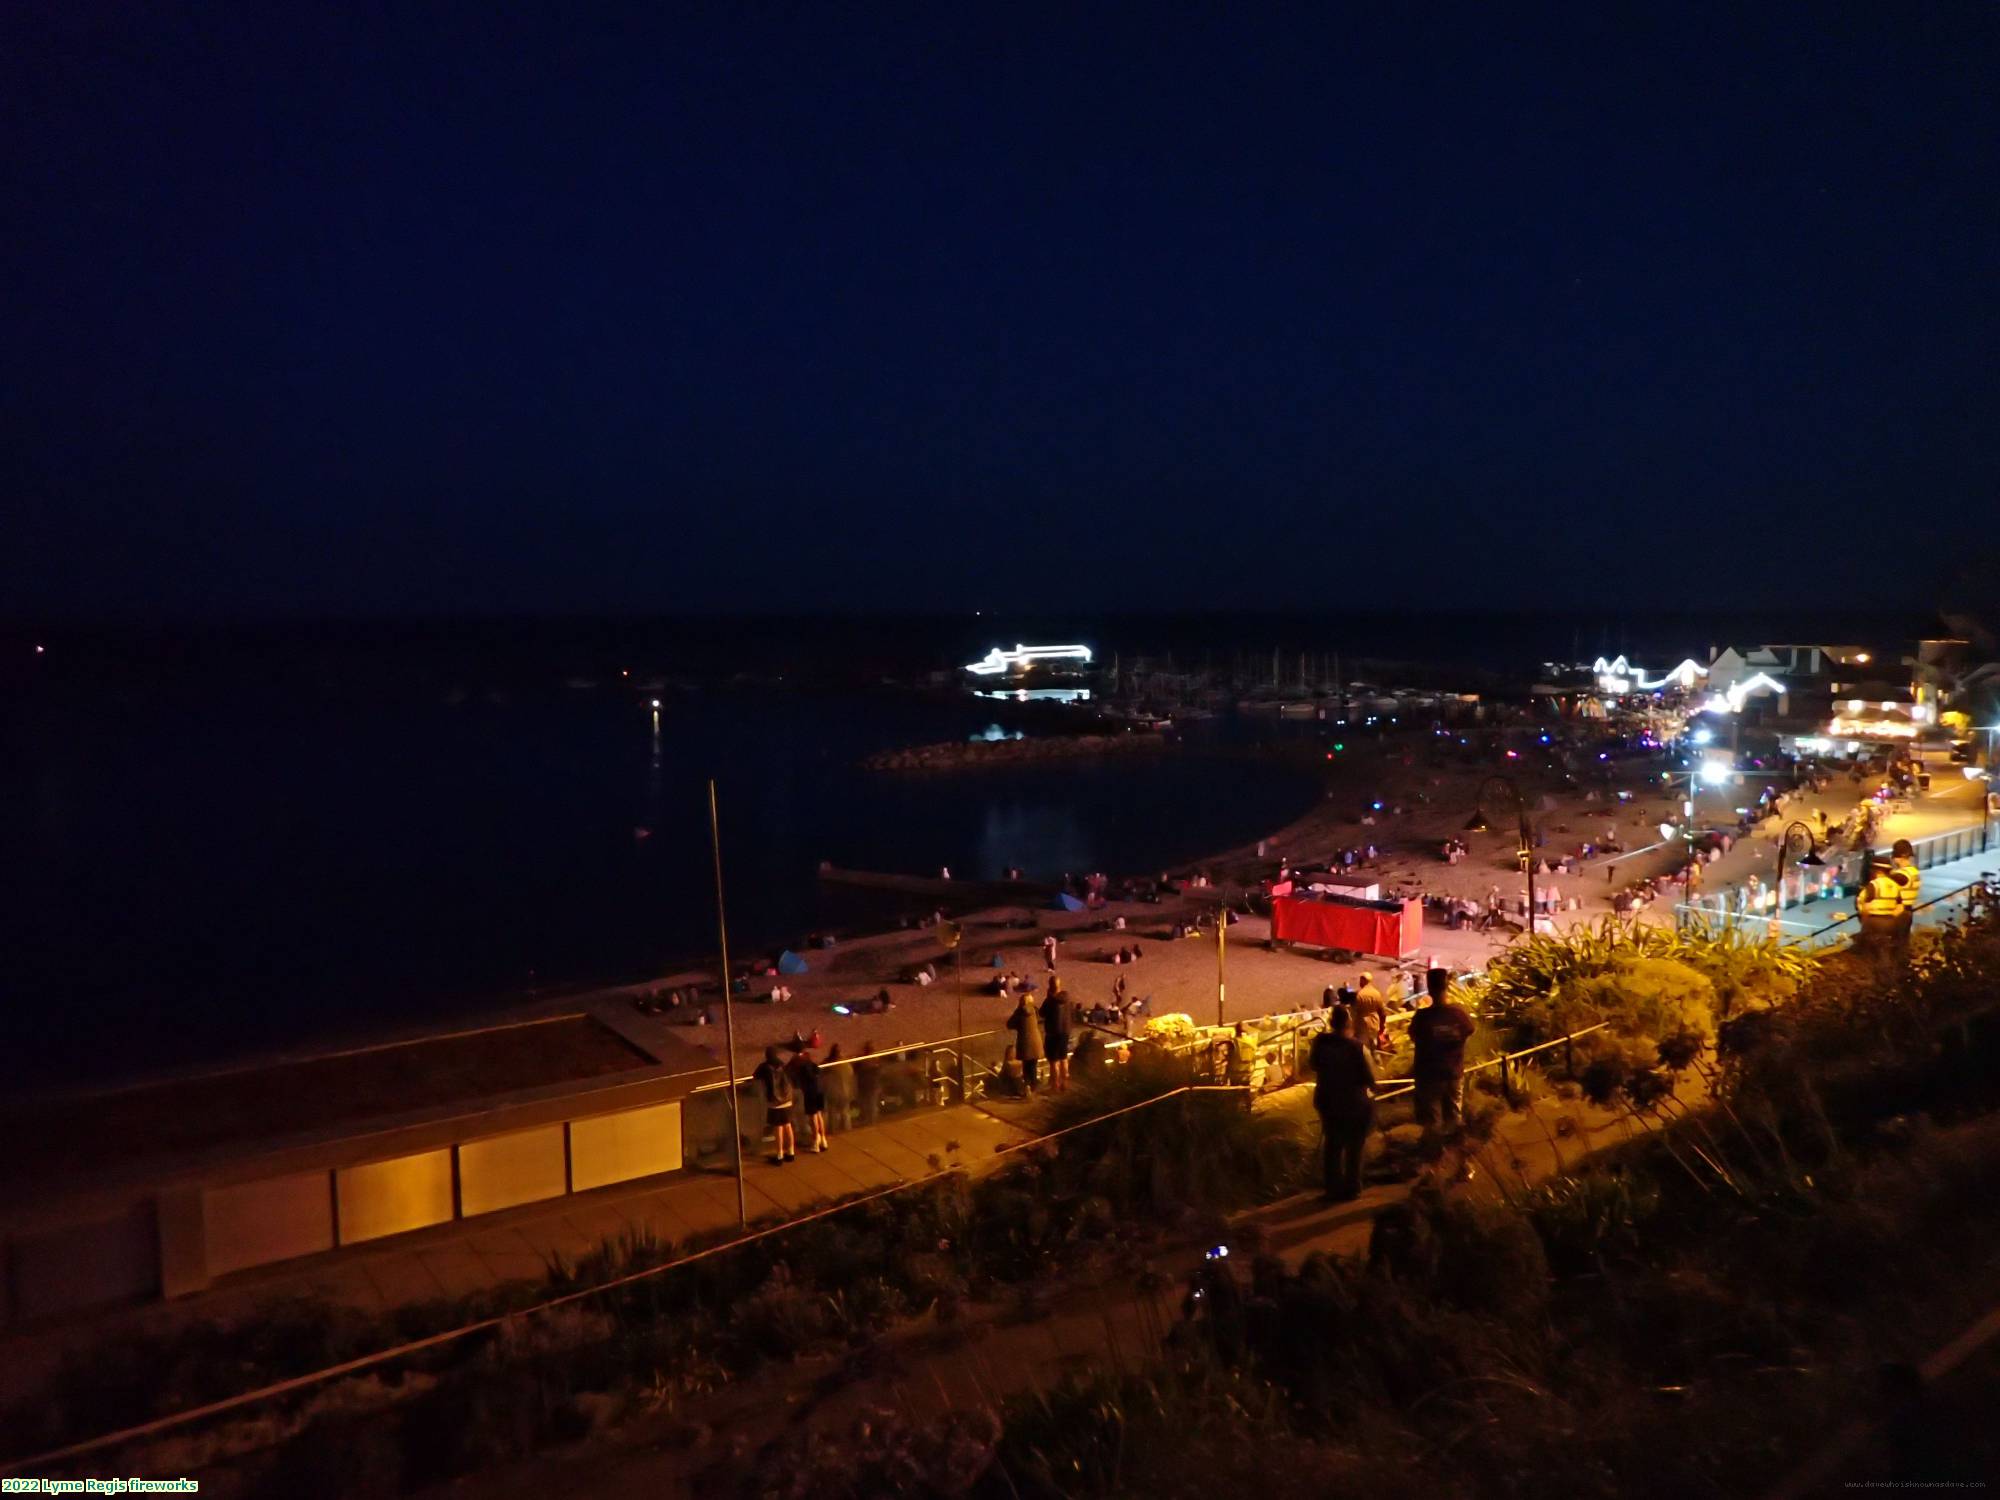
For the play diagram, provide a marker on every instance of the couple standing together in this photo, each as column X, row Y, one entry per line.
column 1344, row 1082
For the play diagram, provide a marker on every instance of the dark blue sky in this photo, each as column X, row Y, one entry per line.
column 428, row 307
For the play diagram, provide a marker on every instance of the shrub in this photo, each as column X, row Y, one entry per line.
column 1197, row 1152
column 1585, row 1218
column 1480, row 1257
column 884, row 1454
column 1640, row 997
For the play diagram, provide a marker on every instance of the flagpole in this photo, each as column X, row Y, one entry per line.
column 1221, row 944
column 728, row 1013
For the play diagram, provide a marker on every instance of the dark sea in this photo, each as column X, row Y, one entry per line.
column 216, row 845
column 210, row 878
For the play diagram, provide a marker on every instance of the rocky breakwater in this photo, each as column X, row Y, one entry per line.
column 964, row 755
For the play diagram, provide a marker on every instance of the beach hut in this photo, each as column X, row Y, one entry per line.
column 790, row 963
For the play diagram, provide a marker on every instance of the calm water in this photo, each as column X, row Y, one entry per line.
column 195, row 877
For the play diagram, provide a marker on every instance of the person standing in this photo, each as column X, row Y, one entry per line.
column 868, row 1084
column 1371, row 1015
column 1055, row 1034
column 1344, row 1098
column 1026, row 1024
column 837, row 1080
column 776, row 1083
column 1439, row 1033
column 1049, row 951
column 812, row 1096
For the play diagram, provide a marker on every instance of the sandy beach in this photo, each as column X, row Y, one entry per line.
column 1426, row 797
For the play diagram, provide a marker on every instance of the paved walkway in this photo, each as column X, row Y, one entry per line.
column 471, row 1255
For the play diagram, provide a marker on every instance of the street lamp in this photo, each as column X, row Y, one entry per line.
column 1786, row 842
column 1477, row 824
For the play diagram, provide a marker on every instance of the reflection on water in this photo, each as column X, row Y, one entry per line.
column 227, row 877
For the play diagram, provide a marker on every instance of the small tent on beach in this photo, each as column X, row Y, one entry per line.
column 1064, row 901
column 790, row 963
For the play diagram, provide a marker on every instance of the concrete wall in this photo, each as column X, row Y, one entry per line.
column 503, row 1171
column 110, row 1259
column 252, row 1223
column 616, row 1148
column 393, row 1197
column 179, row 1235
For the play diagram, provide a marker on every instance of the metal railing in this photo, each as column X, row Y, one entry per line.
column 1401, row 1086
column 860, row 1090
column 1947, row 847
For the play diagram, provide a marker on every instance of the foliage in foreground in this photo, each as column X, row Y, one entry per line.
column 1688, row 1317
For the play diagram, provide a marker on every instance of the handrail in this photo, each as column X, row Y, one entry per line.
column 883, row 1054
column 1005, row 1147
column 1402, row 1086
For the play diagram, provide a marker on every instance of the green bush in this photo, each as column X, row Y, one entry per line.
column 1640, row 997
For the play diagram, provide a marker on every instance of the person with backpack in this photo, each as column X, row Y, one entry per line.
column 1344, row 1099
column 776, row 1082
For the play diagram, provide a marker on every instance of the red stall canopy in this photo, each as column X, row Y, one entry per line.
column 1388, row 929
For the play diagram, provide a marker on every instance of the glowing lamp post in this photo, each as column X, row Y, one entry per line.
column 1477, row 824
column 1787, row 841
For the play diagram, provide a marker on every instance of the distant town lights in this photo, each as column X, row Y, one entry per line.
column 1618, row 676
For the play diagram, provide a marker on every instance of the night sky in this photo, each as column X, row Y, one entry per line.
column 435, row 308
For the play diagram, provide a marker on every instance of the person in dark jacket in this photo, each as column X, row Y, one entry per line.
column 1344, row 1097
column 812, row 1096
column 1026, row 1024
column 868, row 1084
column 1055, row 1034
column 1439, row 1033
column 774, row 1080
column 837, row 1079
